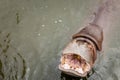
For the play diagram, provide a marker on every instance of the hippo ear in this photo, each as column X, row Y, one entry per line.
column 92, row 32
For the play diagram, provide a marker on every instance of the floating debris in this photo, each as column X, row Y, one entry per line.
column 64, row 8
column 60, row 20
column 55, row 22
column 17, row 18
column 43, row 25
column 39, row 34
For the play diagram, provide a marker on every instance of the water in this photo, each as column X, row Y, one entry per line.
column 34, row 32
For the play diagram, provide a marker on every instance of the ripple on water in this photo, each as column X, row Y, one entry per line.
column 12, row 64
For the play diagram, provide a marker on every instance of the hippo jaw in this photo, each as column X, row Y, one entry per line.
column 77, row 58
column 75, row 67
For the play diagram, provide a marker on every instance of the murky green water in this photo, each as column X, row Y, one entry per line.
column 34, row 32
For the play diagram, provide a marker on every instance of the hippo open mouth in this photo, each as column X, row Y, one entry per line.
column 74, row 63
column 77, row 58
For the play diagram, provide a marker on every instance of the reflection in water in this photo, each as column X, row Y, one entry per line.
column 68, row 77
column 12, row 64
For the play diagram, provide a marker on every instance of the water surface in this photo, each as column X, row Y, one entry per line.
column 34, row 32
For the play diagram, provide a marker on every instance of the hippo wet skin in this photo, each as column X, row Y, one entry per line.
column 79, row 56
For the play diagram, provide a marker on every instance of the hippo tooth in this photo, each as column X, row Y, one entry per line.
column 66, row 66
column 79, row 70
column 87, row 68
